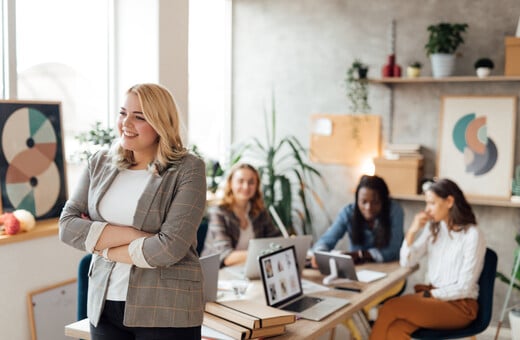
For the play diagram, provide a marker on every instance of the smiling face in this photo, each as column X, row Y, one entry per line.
column 438, row 208
column 136, row 133
column 369, row 203
column 244, row 184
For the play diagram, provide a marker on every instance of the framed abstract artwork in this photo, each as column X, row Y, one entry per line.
column 476, row 144
column 32, row 168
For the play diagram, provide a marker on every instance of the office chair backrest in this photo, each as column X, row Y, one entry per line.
column 485, row 301
column 83, row 267
column 201, row 234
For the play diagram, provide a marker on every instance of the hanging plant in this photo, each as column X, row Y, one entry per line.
column 357, row 87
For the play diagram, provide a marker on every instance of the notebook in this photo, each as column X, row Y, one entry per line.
column 283, row 287
column 345, row 266
column 258, row 246
column 210, row 266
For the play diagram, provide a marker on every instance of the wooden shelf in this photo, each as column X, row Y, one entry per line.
column 43, row 228
column 472, row 200
column 455, row 79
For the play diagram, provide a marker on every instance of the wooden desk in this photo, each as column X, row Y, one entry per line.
column 306, row 329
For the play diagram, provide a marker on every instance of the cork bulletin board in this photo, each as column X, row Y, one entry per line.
column 345, row 139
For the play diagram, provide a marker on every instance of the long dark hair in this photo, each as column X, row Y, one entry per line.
column 382, row 229
column 460, row 215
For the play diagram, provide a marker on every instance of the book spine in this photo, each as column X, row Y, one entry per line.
column 233, row 315
column 226, row 327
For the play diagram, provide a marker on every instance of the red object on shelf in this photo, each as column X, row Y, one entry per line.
column 388, row 68
column 396, row 71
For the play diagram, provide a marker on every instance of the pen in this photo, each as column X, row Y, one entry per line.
column 357, row 290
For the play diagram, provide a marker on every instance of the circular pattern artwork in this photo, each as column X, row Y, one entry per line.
column 32, row 178
column 471, row 139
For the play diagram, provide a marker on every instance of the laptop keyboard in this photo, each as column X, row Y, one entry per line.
column 302, row 304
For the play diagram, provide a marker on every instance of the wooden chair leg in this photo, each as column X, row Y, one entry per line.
column 332, row 334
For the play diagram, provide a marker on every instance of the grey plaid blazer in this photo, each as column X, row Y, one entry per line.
column 171, row 207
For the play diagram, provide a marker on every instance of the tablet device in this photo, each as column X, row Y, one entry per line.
column 344, row 264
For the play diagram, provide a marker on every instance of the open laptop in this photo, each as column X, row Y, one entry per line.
column 259, row 246
column 210, row 266
column 344, row 267
column 283, row 287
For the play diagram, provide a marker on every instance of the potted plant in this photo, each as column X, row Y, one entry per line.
column 285, row 175
column 483, row 67
column 444, row 39
column 414, row 70
column 357, row 87
column 514, row 313
column 94, row 139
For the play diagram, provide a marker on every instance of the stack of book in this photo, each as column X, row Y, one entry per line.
column 241, row 319
column 399, row 151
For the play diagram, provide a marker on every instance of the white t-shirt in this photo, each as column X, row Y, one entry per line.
column 118, row 207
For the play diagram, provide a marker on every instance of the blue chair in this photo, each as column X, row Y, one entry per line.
column 485, row 301
column 84, row 265
column 201, row 234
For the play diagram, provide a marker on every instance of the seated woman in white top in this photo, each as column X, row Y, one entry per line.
column 454, row 248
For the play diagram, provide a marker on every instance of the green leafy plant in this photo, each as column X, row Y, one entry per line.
column 94, row 139
column 504, row 278
column 445, row 38
column 415, row 64
column 286, row 177
column 484, row 62
column 214, row 171
column 357, row 87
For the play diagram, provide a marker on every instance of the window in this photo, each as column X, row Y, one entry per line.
column 62, row 54
column 210, row 77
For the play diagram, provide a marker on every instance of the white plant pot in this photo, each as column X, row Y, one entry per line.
column 443, row 64
column 514, row 322
column 483, row 72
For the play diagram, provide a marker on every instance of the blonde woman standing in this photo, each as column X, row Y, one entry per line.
column 137, row 208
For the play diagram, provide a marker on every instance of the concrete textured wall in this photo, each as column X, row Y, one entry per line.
column 300, row 50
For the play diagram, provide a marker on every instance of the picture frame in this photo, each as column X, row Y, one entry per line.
column 476, row 144
column 32, row 167
column 52, row 307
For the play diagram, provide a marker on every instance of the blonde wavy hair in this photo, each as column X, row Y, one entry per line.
column 160, row 111
column 257, row 201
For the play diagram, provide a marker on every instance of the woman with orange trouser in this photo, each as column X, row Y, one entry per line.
column 454, row 248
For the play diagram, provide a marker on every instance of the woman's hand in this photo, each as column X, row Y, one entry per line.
column 419, row 221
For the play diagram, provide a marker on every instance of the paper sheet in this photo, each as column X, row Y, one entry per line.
column 369, row 275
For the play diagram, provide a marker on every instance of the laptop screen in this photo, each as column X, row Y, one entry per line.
column 280, row 276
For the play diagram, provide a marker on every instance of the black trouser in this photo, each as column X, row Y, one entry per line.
column 110, row 327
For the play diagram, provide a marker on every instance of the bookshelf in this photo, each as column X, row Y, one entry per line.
column 473, row 200
column 454, row 79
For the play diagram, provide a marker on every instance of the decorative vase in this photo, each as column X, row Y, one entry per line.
column 442, row 64
column 388, row 68
column 397, row 71
column 483, row 72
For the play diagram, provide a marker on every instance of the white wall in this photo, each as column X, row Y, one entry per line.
column 28, row 266
column 301, row 49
